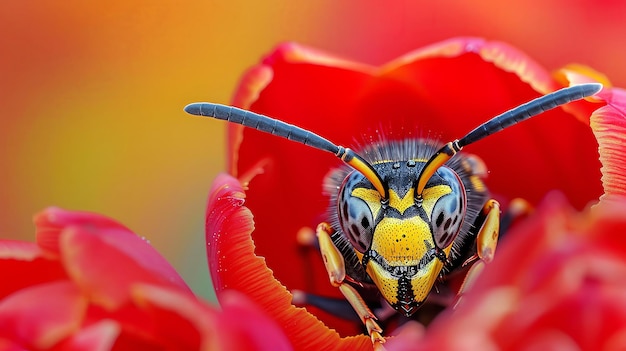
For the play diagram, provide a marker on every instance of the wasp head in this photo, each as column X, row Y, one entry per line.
column 403, row 241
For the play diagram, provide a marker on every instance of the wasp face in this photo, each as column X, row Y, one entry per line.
column 404, row 241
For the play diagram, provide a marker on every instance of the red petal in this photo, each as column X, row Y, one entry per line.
column 8, row 345
column 256, row 80
column 23, row 264
column 256, row 330
column 182, row 322
column 40, row 316
column 106, row 262
column 100, row 336
column 252, row 83
column 287, row 193
column 174, row 320
column 609, row 126
column 234, row 265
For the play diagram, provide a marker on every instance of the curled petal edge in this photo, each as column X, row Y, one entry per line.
column 502, row 55
column 608, row 124
column 234, row 265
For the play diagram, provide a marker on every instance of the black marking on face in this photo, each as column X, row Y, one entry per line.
column 355, row 214
column 406, row 299
column 448, row 210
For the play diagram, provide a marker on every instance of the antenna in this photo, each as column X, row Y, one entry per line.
column 291, row 132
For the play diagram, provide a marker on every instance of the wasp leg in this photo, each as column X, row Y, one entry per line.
column 487, row 237
column 331, row 255
column 333, row 260
column 486, row 241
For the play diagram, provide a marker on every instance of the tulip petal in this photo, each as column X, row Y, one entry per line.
column 174, row 319
column 534, row 236
column 281, row 177
column 24, row 264
column 500, row 54
column 106, row 262
column 51, row 221
column 609, row 126
column 252, row 83
column 231, row 257
column 100, row 336
column 185, row 322
column 258, row 332
column 8, row 345
column 42, row 315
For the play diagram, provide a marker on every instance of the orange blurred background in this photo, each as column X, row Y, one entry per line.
column 92, row 92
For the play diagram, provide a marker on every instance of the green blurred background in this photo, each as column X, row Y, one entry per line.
column 92, row 92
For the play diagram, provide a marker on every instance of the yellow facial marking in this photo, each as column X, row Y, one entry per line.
column 421, row 283
column 401, row 204
column 431, row 195
column 402, row 241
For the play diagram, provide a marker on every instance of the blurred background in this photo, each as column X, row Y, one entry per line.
column 91, row 93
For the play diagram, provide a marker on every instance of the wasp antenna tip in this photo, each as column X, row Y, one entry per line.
column 593, row 88
column 194, row 109
column 599, row 86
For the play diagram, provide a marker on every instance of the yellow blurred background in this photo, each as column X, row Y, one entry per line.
column 92, row 92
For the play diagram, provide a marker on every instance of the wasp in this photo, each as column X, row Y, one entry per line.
column 406, row 214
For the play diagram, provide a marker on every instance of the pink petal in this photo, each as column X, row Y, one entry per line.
column 100, row 336
column 609, row 126
column 51, row 221
column 106, row 262
column 42, row 315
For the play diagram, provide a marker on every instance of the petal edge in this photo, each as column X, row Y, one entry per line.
column 230, row 248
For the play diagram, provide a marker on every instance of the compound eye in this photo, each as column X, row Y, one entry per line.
column 448, row 212
column 355, row 216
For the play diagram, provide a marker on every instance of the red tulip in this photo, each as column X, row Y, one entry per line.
column 442, row 92
column 89, row 283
